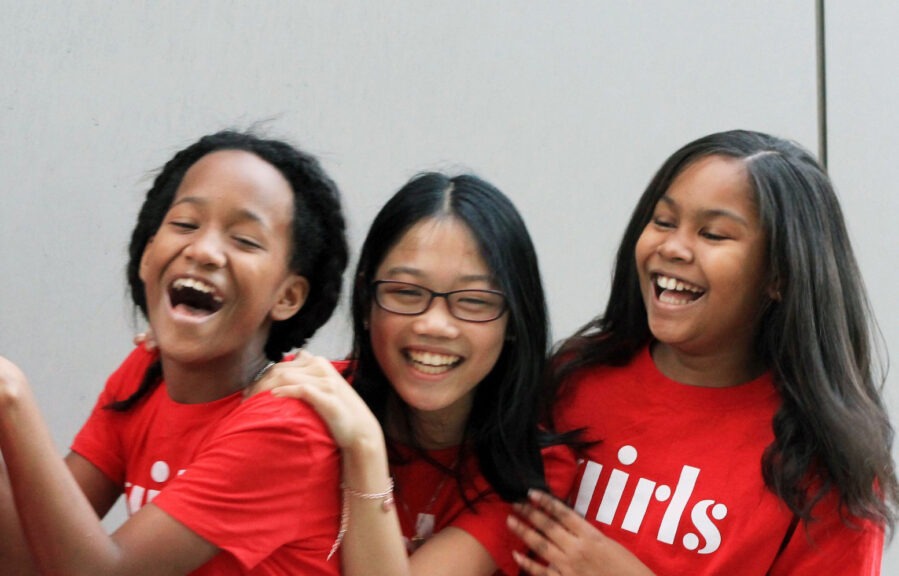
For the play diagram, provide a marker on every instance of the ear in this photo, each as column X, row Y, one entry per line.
column 143, row 260
column 292, row 296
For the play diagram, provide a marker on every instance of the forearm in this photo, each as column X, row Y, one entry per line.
column 50, row 504
column 373, row 543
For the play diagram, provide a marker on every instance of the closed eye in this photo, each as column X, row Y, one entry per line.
column 407, row 292
column 183, row 225
column 713, row 237
column 248, row 242
column 663, row 223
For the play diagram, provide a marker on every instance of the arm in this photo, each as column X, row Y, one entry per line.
column 569, row 544
column 14, row 554
column 373, row 542
column 52, row 506
column 826, row 541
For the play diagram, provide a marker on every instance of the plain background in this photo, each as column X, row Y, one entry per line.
column 567, row 106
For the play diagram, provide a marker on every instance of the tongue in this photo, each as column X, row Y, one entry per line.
column 677, row 296
column 192, row 311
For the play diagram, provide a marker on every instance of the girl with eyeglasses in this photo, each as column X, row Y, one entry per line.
column 438, row 430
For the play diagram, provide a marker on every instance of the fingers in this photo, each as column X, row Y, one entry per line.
column 314, row 379
column 544, row 528
column 538, row 540
column 145, row 338
column 303, row 368
column 547, row 515
column 556, row 510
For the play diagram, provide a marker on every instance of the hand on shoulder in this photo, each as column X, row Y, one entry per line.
column 315, row 380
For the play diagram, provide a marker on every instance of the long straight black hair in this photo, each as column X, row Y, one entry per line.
column 502, row 426
column 832, row 431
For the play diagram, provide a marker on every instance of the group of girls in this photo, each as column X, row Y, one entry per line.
column 721, row 416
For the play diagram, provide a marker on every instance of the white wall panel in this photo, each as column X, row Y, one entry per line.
column 567, row 106
column 863, row 136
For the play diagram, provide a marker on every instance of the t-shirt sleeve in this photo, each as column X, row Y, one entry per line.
column 487, row 522
column 268, row 477
column 829, row 545
column 560, row 466
column 98, row 441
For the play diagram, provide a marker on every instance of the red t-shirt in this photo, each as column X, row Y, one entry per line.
column 427, row 500
column 676, row 478
column 427, row 496
column 259, row 478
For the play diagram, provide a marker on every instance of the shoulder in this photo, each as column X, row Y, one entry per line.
column 594, row 383
column 833, row 538
column 560, row 467
column 128, row 376
column 342, row 365
column 271, row 414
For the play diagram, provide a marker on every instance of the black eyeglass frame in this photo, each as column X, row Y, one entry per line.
column 434, row 294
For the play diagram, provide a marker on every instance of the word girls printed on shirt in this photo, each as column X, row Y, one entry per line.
column 623, row 502
column 137, row 496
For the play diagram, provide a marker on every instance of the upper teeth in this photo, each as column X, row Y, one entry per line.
column 194, row 284
column 433, row 359
column 669, row 283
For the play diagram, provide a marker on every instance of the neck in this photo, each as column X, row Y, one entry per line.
column 718, row 369
column 433, row 430
column 207, row 381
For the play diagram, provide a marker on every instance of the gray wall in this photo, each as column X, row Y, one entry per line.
column 566, row 106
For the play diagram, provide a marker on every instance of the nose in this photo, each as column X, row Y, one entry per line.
column 437, row 321
column 676, row 246
column 206, row 248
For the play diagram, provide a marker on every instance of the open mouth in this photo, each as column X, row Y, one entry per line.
column 670, row 290
column 432, row 363
column 194, row 297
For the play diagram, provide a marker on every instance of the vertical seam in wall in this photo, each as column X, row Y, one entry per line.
column 821, row 41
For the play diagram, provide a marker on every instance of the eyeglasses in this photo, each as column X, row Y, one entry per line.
column 411, row 300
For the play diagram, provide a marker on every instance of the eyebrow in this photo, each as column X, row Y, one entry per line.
column 243, row 213
column 709, row 213
column 419, row 274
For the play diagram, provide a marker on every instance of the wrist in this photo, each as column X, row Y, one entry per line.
column 365, row 465
column 366, row 446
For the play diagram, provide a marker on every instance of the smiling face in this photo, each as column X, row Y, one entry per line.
column 215, row 273
column 434, row 361
column 702, row 264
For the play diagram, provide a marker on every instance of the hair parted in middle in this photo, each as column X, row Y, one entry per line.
column 816, row 336
column 502, row 426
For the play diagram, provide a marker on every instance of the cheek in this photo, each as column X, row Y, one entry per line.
column 644, row 248
column 490, row 345
column 143, row 269
column 382, row 332
column 643, row 251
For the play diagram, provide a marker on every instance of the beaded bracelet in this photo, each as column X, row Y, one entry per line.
column 386, row 505
column 386, row 495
